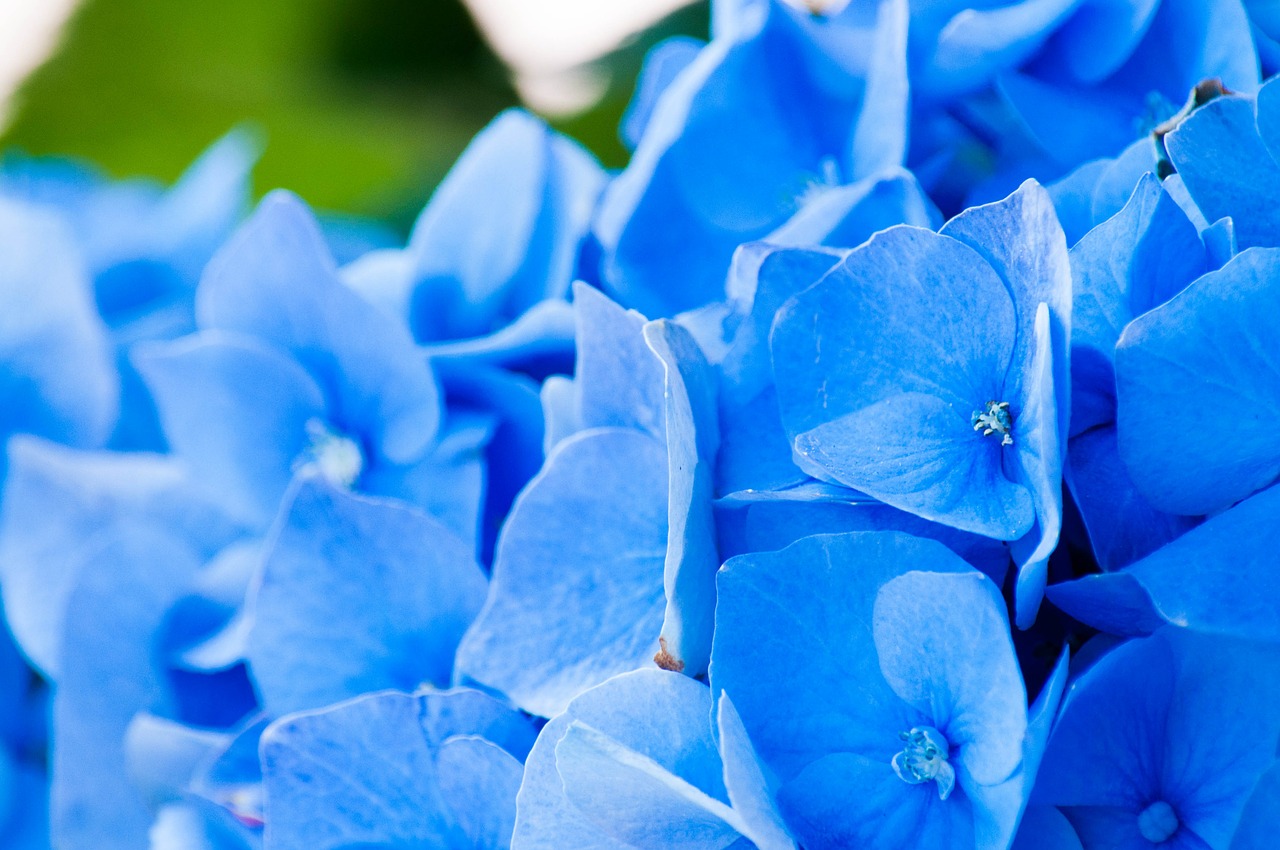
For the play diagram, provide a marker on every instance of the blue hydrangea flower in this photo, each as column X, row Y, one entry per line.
column 432, row 769
column 929, row 371
column 1161, row 742
column 292, row 370
column 801, row 121
column 876, row 676
column 646, row 760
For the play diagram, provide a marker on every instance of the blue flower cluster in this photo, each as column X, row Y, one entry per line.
column 887, row 457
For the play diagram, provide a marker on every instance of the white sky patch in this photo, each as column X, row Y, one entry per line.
column 29, row 32
column 545, row 42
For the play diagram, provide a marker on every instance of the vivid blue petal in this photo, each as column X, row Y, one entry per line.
column 1123, row 526
column 751, row 792
column 358, row 595
column 542, row 334
column 762, row 521
column 1209, row 349
column 662, row 64
column 370, row 772
column 58, row 502
column 1132, row 262
column 1261, row 817
column 1115, row 603
column 977, row 43
column 502, row 232
column 1021, row 239
column 876, row 380
column 619, row 378
column 1100, row 36
column 1220, row 577
column 692, row 437
column 1045, row 828
column 944, row 647
column 686, row 201
column 1174, row 717
column 59, row 378
column 1227, row 169
column 819, row 688
column 849, row 215
column 577, row 588
column 275, row 280
column 659, row 718
column 754, row 450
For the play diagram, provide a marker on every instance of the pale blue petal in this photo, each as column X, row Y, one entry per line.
column 577, row 590
column 357, row 595
column 751, row 792
column 692, row 437
column 1211, row 349
column 276, row 280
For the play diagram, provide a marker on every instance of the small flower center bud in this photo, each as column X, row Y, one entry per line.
column 924, row 759
column 1158, row 822
column 338, row 458
column 994, row 420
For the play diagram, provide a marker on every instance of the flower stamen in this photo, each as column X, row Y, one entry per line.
column 924, row 758
column 994, row 420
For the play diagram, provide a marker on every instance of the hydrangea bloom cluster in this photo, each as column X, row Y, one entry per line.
column 888, row 456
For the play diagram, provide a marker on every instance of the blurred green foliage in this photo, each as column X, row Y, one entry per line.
column 364, row 104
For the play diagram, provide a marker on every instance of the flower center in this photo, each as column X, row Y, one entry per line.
column 994, row 420
column 924, row 759
column 1158, row 822
column 338, row 458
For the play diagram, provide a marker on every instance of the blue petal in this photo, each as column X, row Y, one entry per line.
column 1123, row 526
column 661, row 717
column 849, row 800
column 876, row 380
column 849, row 215
column 1220, row 577
column 762, row 521
column 618, row 377
column 1045, row 828
column 1038, row 457
column 819, row 688
column 1261, row 817
column 108, row 674
column 944, row 647
column 1227, row 169
column 577, row 590
column 636, row 800
column 662, row 64
column 476, row 776
column 751, row 792
column 58, row 378
column 358, row 595
column 275, row 280
column 502, row 232
column 369, row 772
column 754, row 451
column 1134, row 261
column 692, row 437
column 236, row 411
column 686, row 201
column 1175, row 717
column 58, row 502
column 1206, row 351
